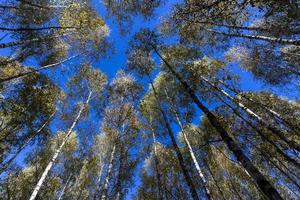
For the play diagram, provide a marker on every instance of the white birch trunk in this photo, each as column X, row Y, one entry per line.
column 103, row 196
column 57, row 152
column 191, row 151
column 64, row 188
column 271, row 111
column 258, row 37
column 2, row 80
column 279, row 133
column 8, row 163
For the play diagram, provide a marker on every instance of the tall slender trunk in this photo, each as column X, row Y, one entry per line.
column 23, row 42
column 183, row 167
column 36, row 29
column 261, row 134
column 265, row 186
column 236, row 27
column 194, row 159
column 158, row 174
column 98, row 181
column 9, row 7
column 10, row 161
column 279, row 133
column 31, row 71
column 234, row 189
column 57, row 152
column 109, row 171
column 120, row 173
column 40, row 6
column 258, row 37
column 271, row 111
column 64, row 188
column 213, row 177
column 271, row 161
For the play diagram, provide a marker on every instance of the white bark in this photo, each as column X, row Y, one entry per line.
column 39, row 69
column 103, row 196
column 279, row 133
column 64, row 188
column 191, row 151
column 271, row 111
column 249, row 111
column 258, row 37
column 23, row 42
column 57, row 152
column 8, row 163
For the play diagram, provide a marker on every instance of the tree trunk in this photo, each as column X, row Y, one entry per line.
column 234, row 189
column 194, row 159
column 236, row 27
column 35, row 29
column 276, row 131
column 269, row 159
column 260, row 180
column 57, row 152
column 3, row 80
column 105, row 187
column 271, row 111
column 158, row 174
column 120, row 174
column 258, row 37
column 39, row 6
column 64, row 188
column 97, row 190
column 213, row 177
column 261, row 134
column 9, row 162
column 24, row 42
column 187, row 177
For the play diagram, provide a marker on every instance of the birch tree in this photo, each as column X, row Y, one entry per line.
column 93, row 81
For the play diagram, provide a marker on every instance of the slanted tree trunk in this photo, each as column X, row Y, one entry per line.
column 213, row 178
column 265, row 186
column 292, row 144
column 109, row 171
column 158, row 174
column 9, row 7
column 261, row 134
column 271, row 111
column 21, row 29
column 31, row 71
column 271, row 161
column 236, row 27
column 39, row 6
column 98, row 181
column 258, row 37
column 23, row 42
column 64, row 188
column 10, row 161
column 194, row 159
column 234, row 189
column 120, row 173
column 57, row 152
column 183, row 167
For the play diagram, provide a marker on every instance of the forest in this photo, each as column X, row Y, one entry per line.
column 149, row 99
